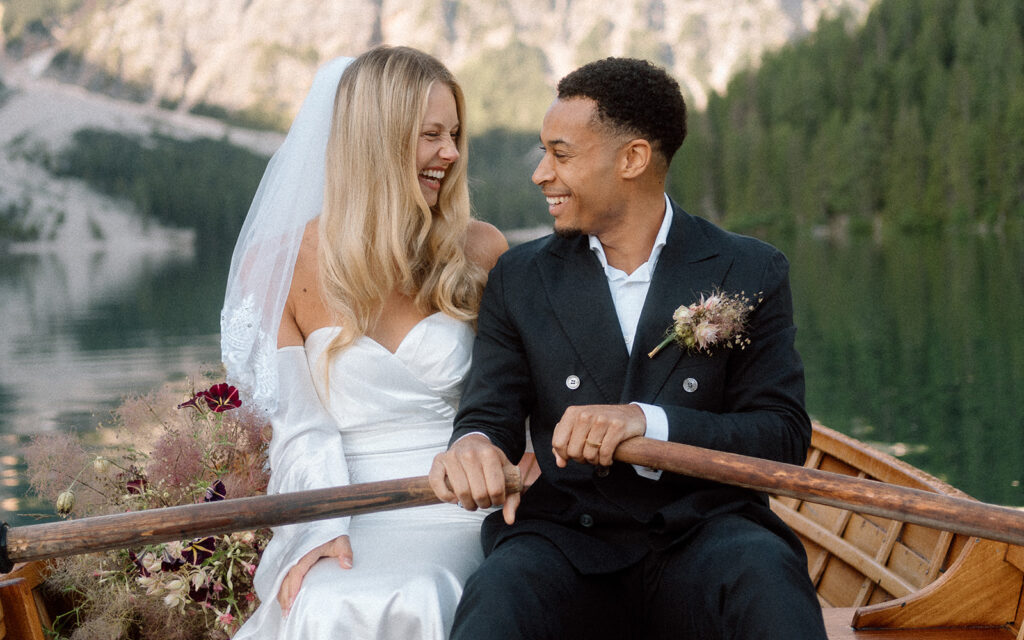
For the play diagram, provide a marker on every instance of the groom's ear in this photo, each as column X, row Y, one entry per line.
column 635, row 158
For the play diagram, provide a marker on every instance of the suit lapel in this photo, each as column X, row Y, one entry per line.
column 578, row 293
column 690, row 264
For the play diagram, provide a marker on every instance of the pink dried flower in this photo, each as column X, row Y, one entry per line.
column 53, row 462
column 716, row 319
column 705, row 334
column 177, row 460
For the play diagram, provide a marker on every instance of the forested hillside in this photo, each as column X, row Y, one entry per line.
column 913, row 122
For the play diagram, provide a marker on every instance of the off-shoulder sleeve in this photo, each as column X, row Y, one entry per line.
column 305, row 453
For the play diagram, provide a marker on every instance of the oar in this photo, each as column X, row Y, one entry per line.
column 943, row 512
column 120, row 530
column 958, row 515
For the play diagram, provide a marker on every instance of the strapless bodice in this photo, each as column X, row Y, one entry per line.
column 385, row 403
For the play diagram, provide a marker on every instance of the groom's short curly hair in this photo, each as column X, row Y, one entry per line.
column 634, row 97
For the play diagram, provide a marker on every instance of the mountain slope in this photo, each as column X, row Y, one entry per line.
column 255, row 58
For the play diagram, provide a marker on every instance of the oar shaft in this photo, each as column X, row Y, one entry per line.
column 99, row 533
column 948, row 513
column 116, row 531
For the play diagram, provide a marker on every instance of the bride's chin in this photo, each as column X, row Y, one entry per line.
column 430, row 196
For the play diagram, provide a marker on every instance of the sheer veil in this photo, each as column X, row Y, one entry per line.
column 289, row 196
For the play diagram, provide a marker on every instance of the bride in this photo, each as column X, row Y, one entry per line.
column 348, row 318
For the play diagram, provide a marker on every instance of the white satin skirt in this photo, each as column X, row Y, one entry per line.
column 407, row 575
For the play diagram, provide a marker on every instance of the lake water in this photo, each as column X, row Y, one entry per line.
column 914, row 344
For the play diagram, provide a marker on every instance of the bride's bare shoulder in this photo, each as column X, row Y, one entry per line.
column 484, row 244
column 304, row 306
column 307, row 258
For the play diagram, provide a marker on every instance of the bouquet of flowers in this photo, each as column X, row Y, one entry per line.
column 716, row 319
column 161, row 451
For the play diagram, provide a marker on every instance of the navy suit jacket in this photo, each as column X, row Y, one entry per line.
column 547, row 314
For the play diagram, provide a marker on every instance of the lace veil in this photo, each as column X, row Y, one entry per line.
column 289, row 196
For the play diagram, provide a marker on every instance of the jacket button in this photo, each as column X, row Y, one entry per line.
column 586, row 520
column 602, row 472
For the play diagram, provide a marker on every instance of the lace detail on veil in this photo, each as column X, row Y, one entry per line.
column 248, row 352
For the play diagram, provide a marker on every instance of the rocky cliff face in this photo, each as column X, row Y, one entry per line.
column 256, row 58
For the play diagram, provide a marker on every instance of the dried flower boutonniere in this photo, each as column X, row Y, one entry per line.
column 715, row 320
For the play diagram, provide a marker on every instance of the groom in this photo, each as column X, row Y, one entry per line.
column 597, row 548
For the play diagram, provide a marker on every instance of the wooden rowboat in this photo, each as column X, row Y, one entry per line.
column 876, row 578
column 885, row 579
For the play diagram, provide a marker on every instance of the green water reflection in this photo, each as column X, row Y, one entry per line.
column 920, row 341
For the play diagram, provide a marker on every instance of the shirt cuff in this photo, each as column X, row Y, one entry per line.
column 657, row 429
column 471, row 433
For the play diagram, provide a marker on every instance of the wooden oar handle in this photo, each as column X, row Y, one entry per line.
column 513, row 480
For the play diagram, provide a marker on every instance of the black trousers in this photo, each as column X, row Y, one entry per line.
column 731, row 579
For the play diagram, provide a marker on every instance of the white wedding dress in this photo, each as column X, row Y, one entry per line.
column 385, row 415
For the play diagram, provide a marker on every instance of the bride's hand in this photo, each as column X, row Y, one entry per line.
column 339, row 548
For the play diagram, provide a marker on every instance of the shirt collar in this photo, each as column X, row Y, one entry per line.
column 659, row 242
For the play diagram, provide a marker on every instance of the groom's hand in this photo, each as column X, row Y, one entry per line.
column 590, row 433
column 472, row 473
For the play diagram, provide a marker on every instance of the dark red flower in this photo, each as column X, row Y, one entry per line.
column 138, row 564
column 222, row 397
column 215, row 492
column 192, row 402
column 170, row 563
column 134, row 480
column 198, row 550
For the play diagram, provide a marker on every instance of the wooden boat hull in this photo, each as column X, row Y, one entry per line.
column 882, row 578
column 876, row 578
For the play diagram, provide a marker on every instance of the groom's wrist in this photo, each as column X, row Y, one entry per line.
column 657, row 429
column 657, row 421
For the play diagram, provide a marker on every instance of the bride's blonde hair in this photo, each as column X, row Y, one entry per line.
column 377, row 232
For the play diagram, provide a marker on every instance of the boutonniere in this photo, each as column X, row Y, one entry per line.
column 715, row 320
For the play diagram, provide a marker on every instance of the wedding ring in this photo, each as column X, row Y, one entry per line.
column 594, row 444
